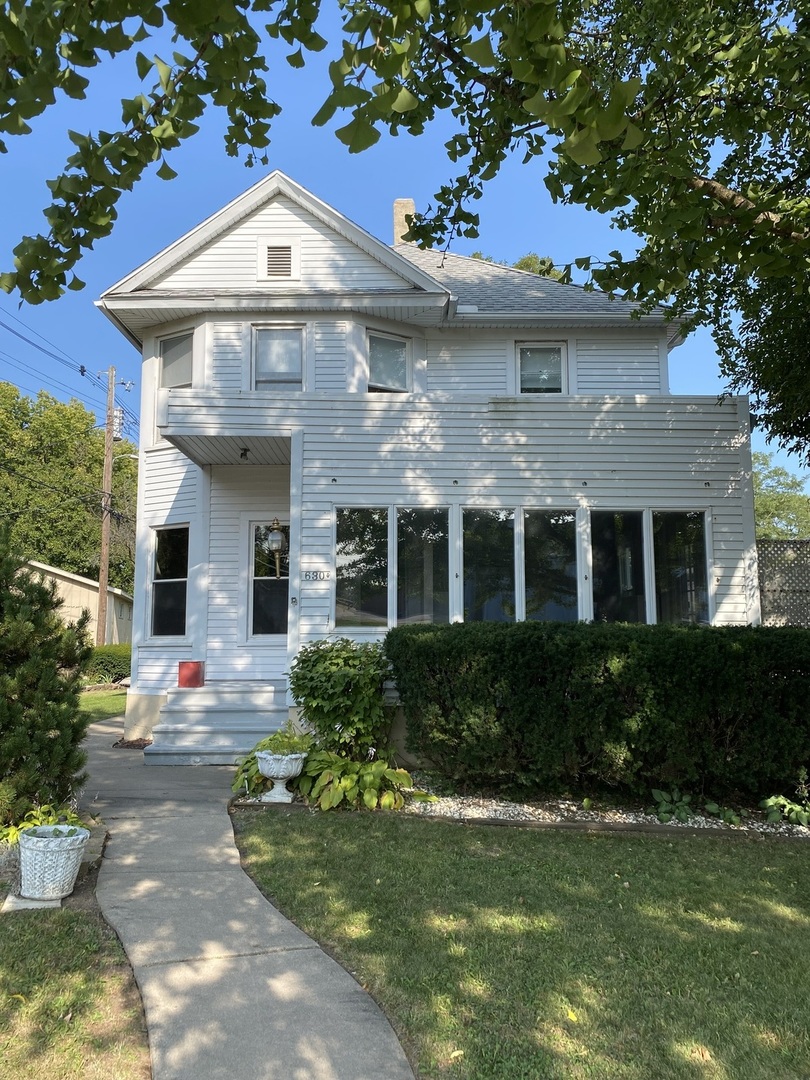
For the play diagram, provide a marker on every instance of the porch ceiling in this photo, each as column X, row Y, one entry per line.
column 228, row 449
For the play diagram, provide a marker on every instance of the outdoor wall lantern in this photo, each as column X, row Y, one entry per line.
column 277, row 543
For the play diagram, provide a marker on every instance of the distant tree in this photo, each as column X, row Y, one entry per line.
column 781, row 507
column 41, row 664
column 51, row 486
column 542, row 265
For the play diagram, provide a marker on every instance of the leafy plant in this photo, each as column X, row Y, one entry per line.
column 797, row 813
column 42, row 815
column 672, row 804
column 339, row 686
column 727, row 814
column 331, row 779
column 248, row 779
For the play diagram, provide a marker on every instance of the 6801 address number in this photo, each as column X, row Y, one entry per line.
column 316, row 575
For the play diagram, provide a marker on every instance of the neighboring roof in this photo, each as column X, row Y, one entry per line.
column 54, row 571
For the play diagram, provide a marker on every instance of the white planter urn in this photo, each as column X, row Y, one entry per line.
column 279, row 768
column 50, row 857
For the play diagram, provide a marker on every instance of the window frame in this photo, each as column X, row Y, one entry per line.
column 280, row 383
column 154, row 580
column 408, row 343
column 541, row 344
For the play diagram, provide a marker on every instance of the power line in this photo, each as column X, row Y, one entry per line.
column 14, row 361
column 91, row 494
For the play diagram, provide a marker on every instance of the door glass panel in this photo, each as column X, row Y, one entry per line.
column 618, row 566
column 271, row 579
column 489, row 565
column 422, row 566
column 681, row 587
column 550, row 557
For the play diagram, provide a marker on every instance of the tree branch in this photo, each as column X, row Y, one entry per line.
column 735, row 201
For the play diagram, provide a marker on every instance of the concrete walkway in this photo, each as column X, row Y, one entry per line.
column 230, row 987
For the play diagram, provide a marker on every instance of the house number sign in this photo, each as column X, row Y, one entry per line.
column 316, row 575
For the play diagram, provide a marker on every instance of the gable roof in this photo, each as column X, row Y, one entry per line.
column 148, row 275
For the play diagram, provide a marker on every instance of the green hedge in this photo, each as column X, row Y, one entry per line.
column 109, row 664
column 547, row 705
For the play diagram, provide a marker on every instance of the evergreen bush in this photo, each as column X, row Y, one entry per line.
column 549, row 705
column 42, row 662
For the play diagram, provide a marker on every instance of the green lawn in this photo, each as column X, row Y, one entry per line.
column 68, row 1008
column 103, row 704
column 510, row 954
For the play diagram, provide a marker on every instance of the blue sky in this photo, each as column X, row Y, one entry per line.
column 516, row 215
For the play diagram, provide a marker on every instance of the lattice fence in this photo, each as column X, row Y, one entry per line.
column 784, row 582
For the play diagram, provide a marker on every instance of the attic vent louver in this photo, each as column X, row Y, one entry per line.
column 279, row 262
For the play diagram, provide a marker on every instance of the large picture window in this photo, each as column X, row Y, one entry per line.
column 679, row 547
column 618, row 566
column 170, row 582
column 550, row 560
column 361, row 567
column 489, row 565
column 278, row 358
column 270, row 578
column 423, row 578
column 387, row 364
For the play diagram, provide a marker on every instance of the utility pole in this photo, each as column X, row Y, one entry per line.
column 106, row 508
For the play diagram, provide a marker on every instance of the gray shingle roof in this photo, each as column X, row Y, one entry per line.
column 500, row 290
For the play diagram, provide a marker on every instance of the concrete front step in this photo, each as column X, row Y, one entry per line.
column 216, row 724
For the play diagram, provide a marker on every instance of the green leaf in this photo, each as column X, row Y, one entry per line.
column 164, row 73
column 370, row 797
column 582, row 147
column 480, row 52
column 166, row 172
column 404, row 101
column 387, row 800
column 143, row 64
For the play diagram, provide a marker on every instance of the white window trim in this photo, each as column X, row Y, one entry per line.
column 540, row 343
column 269, row 240
column 407, row 342
column 305, row 362
column 174, row 639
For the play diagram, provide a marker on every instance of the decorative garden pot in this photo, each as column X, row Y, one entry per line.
column 50, row 857
column 279, row 768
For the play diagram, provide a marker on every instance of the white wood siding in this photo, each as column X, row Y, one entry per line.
column 330, row 356
column 468, row 367
column 617, row 367
column 261, row 493
column 170, row 486
column 607, row 453
column 328, row 260
column 226, row 356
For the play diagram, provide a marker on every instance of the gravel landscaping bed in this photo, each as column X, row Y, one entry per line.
column 557, row 811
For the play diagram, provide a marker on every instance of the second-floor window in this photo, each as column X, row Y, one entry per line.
column 387, row 364
column 278, row 358
column 540, row 368
column 176, row 361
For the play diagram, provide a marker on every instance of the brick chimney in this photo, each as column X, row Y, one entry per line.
column 402, row 207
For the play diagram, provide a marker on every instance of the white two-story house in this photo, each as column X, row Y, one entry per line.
column 339, row 436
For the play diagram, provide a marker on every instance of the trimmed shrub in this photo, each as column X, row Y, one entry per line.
column 548, row 705
column 41, row 666
column 339, row 685
column 109, row 663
